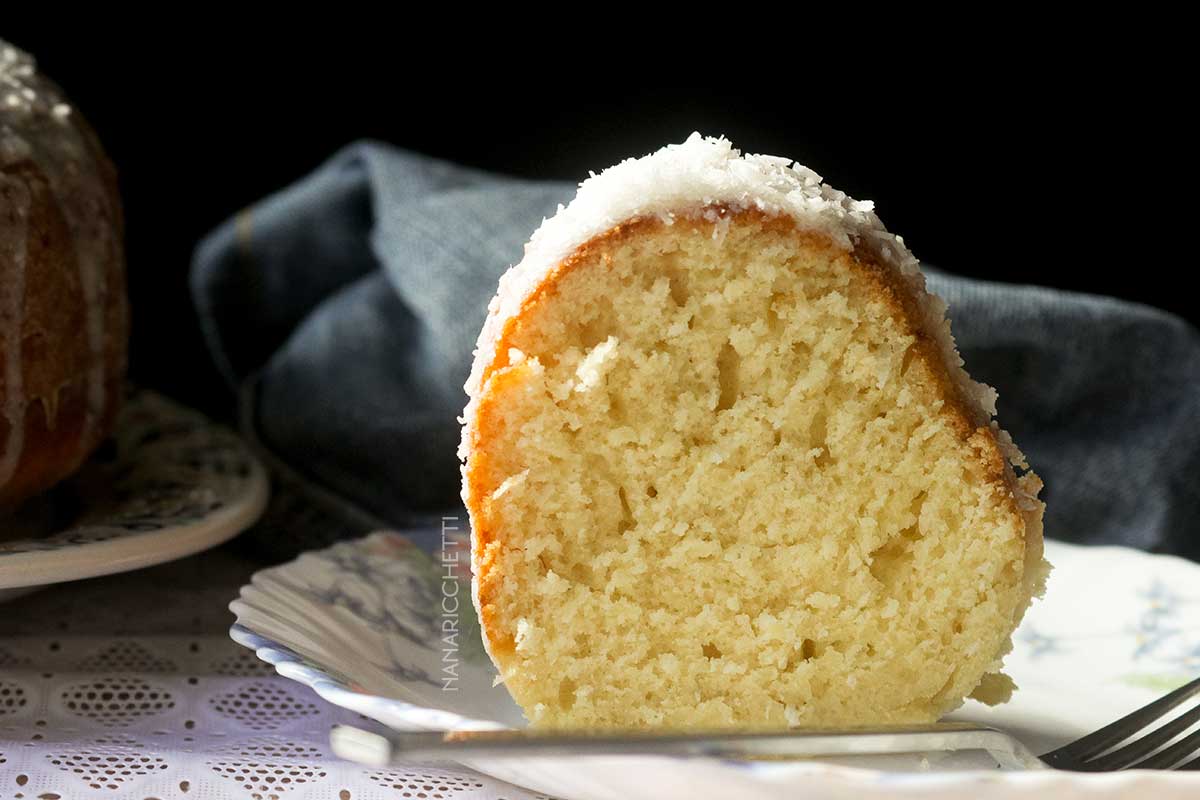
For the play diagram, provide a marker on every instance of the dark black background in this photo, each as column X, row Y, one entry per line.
column 1037, row 166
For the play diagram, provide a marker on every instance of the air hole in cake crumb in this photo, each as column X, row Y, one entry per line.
column 918, row 503
column 596, row 329
column 581, row 573
column 677, row 280
column 728, row 369
column 958, row 626
column 775, row 322
column 808, row 649
column 710, row 651
column 817, row 436
column 626, row 522
column 566, row 693
column 890, row 560
column 906, row 362
column 616, row 406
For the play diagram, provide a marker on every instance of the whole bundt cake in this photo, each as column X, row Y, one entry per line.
column 725, row 469
column 63, row 313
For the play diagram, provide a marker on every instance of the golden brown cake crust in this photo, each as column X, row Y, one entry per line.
column 64, row 318
column 971, row 422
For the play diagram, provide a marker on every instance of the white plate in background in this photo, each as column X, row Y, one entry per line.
column 167, row 484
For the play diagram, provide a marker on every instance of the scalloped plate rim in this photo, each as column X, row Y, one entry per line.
column 867, row 781
column 138, row 549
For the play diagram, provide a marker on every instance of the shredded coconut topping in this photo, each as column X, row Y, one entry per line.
column 702, row 171
column 685, row 179
column 681, row 179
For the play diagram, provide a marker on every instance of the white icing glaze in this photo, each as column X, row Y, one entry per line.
column 14, row 219
column 38, row 126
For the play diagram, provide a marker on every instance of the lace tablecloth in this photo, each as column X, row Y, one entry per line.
column 129, row 686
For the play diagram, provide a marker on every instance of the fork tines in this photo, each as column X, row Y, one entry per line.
column 1155, row 749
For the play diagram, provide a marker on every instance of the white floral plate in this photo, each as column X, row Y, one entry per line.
column 167, row 484
column 384, row 626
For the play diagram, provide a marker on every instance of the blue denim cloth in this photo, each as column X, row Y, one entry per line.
column 344, row 310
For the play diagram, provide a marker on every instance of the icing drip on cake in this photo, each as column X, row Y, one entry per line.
column 14, row 216
column 38, row 127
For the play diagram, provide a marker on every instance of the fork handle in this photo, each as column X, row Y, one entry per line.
column 375, row 749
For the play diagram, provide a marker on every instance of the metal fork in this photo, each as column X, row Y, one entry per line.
column 1098, row 752
column 1114, row 747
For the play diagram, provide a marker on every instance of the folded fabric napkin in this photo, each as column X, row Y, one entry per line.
column 344, row 311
